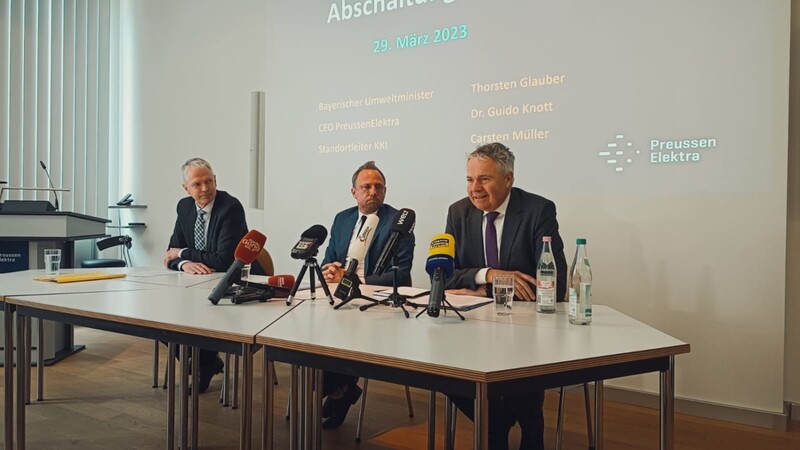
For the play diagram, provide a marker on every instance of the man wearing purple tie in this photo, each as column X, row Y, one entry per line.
column 498, row 230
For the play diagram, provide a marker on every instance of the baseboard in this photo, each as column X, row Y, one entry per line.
column 795, row 408
column 763, row 419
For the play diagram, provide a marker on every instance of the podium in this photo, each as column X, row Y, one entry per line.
column 23, row 238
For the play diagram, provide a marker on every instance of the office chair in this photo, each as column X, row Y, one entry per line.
column 113, row 241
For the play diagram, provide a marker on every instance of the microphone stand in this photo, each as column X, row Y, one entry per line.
column 446, row 305
column 312, row 263
column 395, row 300
column 244, row 293
column 355, row 292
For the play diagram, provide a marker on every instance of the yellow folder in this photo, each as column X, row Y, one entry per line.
column 74, row 277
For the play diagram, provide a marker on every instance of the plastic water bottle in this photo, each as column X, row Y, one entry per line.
column 580, row 287
column 546, row 279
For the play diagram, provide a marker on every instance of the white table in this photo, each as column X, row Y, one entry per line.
column 172, row 314
column 458, row 357
column 22, row 283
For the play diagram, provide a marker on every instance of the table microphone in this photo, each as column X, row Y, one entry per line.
column 356, row 254
column 41, row 163
column 309, row 242
column 246, row 252
column 440, row 266
column 402, row 225
column 281, row 285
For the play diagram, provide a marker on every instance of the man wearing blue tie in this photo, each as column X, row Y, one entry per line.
column 369, row 190
column 208, row 228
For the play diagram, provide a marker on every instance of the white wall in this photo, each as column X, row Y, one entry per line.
column 189, row 68
column 792, row 358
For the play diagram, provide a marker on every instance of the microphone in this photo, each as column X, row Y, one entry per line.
column 355, row 256
column 309, row 242
column 402, row 225
column 439, row 266
column 281, row 285
column 41, row 163
column 246, row 252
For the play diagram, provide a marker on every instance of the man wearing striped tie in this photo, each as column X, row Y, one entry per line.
column 208, row 228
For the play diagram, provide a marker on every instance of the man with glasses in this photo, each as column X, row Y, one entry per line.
column 208, row 228
column 369, row 191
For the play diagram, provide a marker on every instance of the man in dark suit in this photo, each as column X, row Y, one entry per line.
column 498, row 230
column 369, row 191
column 208, row 228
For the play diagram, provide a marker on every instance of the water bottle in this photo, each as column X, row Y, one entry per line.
column 580, row 287
column 546, row 279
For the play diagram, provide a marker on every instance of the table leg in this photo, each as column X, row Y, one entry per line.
column 40, row 360
column 235, row 401
column 195, row 422
column 481, row 424
column 28, row 358
column 226, row 382
column 21, row 384
column 156, row 344
column 448, row 423
column 268, row 402
column 318, row 409
column 184, row 432
column 171, row 349
column 431, row 420
column 599, row 406
column 8, row 371
column 247, row 397
column 308, row 408
column 667, row 407
column 293, row 407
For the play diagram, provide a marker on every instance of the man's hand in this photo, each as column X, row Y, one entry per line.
column 197, row 268
column 333, row 272
column 522, row 283
column 480, row 292
column 172, row 253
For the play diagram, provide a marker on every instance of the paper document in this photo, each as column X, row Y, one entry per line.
column 75, row 277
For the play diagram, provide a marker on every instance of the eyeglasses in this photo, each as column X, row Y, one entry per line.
column 364, row 188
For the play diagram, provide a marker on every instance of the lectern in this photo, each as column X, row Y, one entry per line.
column 23, row 238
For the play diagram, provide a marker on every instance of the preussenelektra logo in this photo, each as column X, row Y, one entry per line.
column 622, row 153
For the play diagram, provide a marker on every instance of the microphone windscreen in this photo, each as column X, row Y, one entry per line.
column 41, row 163
column 441, row 253
column 281, row 281
column 404, row 221
column 250, row 246
column 282, row 285
column 443, row 244
column 359, row 247
column 317, row 232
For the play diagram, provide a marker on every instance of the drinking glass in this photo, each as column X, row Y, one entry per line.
column 503, row 288
column 52, row 260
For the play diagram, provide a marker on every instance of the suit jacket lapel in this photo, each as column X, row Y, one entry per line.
column 510, row 228
column 475, row 235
